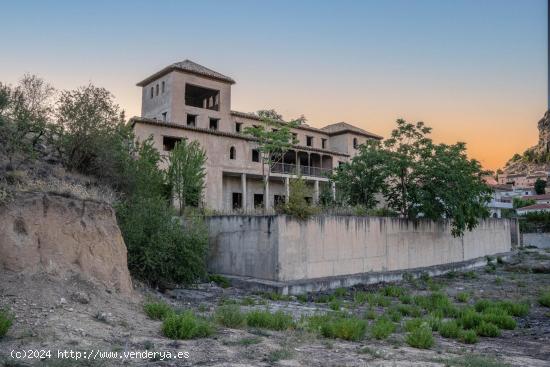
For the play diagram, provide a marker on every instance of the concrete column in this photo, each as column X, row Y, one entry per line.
column 243, row 189
column 316, row 191
column 287, row 189
column 333, row 189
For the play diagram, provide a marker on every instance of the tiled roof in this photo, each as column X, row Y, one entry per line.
column 534, row 207
column 343, row 127
column 189, row 67
column 537, row 197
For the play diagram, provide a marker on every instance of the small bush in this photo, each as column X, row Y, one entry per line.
column 344, row 328
column 393, row 291
column 482, row 304
column 360, row 297
column 157, row 310
column 413, row 324
column 376, row 299
column 518, row 309
column 340, row 292
column 186, row 326
column 409, row 310
column 421, row 338
column 267, row 320
column 382, row 328
column 406, row 299
column 370, row 314
column 503, row 321
column 468, row 336
column 434, row 322
column 463, row 297
column 487, row 329
column 220, row 280
column 5, row 322
column 450, row 329
column 279, row 354
column 394, row 315
column 469, row 319
column 230, row 316
column 335, row 304
column 297, row 206
column 544, row 299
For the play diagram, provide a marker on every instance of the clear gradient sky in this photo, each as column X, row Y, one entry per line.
column 474, row 70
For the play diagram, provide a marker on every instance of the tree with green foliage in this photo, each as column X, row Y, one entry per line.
column 270, row 115
column 25, row 112
column 91, row 130
column 274, row 139
column 405, row 149
column 540, row 186
column 297, row 205
column 451, row 186
column 359, row 181
column 186, row 173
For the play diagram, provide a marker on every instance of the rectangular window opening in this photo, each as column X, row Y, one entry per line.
column 169, row 142
column 201, row 97
column 255, row 155
column 164, row 116
column 278, row 200
column 258, row 200
column 214, row 124
column 309, row 141
column 237, row 200
column 191, row 120
column 324, row 143
column 162, row 87
column 238, row 126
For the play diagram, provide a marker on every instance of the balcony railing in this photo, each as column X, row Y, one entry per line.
column 294, row 169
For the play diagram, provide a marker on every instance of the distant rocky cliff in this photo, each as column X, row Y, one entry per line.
column 535, row 158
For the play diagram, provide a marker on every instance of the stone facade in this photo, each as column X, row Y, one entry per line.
column 188, row 101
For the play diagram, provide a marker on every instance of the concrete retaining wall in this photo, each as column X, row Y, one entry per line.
column 283, row 249
column 540, row 240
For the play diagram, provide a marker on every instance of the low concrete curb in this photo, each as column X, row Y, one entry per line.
column 322, row 284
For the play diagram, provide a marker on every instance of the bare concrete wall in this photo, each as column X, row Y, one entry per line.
column 281, row 248
column 540, row 240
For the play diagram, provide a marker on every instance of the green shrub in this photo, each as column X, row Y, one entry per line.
column 324, row 298
column 186, row 326
column 335, row 304
column 463, row 297
column 482, row 304
column 469, row 319
column 503, row 321
column 393, row 291
column 409, row 310
column 297, row 205
column 376, row 299
column 267, row 320
column 437, row 301
column 406, row 299
column 340, row 292
column 230, row 316
column 302, row 298
column 6, row 320
column 349, row 328
column 433, row 321
column 518, row 309
column 370, row 314
column 160, row 249
column 382, row 328
column 393, row 314
column 360, row 297
column 487, row 329
column 421, row 338
column 468, row 336
column 157, row 310
column 413, row 324
column 220, row 280
column 544, row 299
column 450, row 329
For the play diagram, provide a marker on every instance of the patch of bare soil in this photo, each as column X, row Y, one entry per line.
column 73, row 314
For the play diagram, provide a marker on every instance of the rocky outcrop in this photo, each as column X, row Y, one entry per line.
column 62, row 235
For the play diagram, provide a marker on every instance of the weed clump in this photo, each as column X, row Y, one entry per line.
column 347, row 328
column 267, row 320
column 157, row 310
column 421, row 338
column 382, row 328
column 450, row 329
column 487, row 329
column 5, row 322
column 230, row 316
column 468, row 337
column 544, row 299
column 186, row 326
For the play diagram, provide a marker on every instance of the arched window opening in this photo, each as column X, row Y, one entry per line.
column 232, row 153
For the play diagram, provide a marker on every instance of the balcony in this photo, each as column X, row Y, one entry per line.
column 293, row 169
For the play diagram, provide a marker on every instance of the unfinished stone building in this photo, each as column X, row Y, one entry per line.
column 189, row 101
